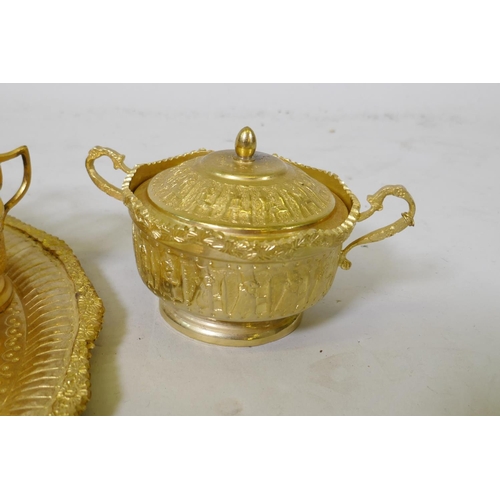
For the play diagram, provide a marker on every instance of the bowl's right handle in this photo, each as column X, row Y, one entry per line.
column 99, row 181
column 376, row 202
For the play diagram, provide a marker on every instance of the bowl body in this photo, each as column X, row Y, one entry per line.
column 235, row 287
column 231, row 289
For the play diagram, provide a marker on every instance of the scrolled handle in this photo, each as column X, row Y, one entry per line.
column 24, row 153
column 376, row 202
column 118, row 163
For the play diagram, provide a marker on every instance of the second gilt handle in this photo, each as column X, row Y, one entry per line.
column 99, row 181
column 376, row 202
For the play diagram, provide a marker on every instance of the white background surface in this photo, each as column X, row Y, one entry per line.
column 412, row 328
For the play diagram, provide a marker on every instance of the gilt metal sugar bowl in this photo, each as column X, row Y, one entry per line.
column 238, row 243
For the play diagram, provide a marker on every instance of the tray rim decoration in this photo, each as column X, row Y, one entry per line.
column 72, row 395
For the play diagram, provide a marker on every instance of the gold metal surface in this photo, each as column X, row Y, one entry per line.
column 259, row 193
column 48, row 330
column 117, row 160
column 376, row 202
column 227, row 333
column 6, row 289
column 245, row 144
column 237, row 246
column 23, row 152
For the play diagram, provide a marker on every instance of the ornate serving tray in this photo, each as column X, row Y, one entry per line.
column 48, row 330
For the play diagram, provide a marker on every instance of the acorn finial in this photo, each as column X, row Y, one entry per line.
column 246, row 143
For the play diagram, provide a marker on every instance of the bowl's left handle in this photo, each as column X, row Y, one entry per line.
column 99, row 181
column 23, row 152
column 376, row 202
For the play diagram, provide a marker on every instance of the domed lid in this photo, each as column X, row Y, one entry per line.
column 241, row 189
